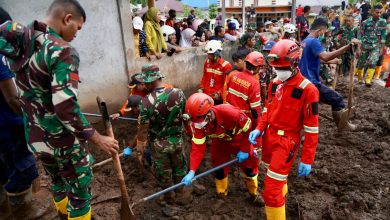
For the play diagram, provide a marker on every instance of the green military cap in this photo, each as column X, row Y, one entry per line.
column 150, row 73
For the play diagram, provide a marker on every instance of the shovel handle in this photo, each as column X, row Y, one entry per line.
column 352, row 72
column 115, row 158
column 169, row 189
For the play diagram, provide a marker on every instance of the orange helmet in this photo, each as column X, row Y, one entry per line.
column 255, row 58
column 284, row 53
column 197, row 106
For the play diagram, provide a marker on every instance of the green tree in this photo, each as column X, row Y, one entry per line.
column 213, row 11
column 143, row 2
column 186, row 10
column 199, row 13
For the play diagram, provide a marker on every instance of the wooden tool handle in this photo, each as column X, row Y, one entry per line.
column 115, row 158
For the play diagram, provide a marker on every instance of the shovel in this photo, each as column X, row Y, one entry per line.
column 169, row 189
column 125, row 211
column 351, row 84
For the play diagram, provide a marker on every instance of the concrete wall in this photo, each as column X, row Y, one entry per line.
column 105, row 45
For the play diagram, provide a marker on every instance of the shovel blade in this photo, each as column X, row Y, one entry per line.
column 125, row 211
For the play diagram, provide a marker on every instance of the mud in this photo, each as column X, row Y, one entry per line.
column 350, row 178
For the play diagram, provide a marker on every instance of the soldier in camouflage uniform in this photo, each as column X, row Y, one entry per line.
column 346, row 34
column 372, row 33
column 46, row 68
column 161, row 124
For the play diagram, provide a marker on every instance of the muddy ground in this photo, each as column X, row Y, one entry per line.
column 350, row 178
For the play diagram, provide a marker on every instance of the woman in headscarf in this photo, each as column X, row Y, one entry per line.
column 187, row 36
column 154, row 38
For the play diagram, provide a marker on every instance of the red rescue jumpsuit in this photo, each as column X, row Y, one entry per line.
column 214, row 77
column 229, row 134
column 244, row 93
column 290, row 107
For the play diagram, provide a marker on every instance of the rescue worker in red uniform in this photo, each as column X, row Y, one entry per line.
column 228, row 129
column 239, row 63
column 214, row 71
column 292, row 105
column 244, row 88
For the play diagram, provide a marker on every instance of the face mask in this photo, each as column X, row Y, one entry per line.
column 200, row 125
column 283, row 75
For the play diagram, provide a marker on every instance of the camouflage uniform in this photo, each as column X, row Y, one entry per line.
column 46, row 70
column 345, row 37
column 162, row 110
column 372, row 35
column 325, row 69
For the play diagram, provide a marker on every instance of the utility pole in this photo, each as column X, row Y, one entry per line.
column 293, row 11
column 150, row 3
column 243, row 16
column 223, row 13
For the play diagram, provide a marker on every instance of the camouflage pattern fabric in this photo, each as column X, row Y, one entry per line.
column 373, row 36
column 162, row 110
column 347, row 34
column 71, row 174
column 369, row 57
column 46, row 70
column 169, row 165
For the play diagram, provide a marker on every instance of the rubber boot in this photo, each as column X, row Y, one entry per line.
column 360, row 73
column 61, row 208
column 86, row 216
column 285, row 190
column 252, row 185
column 4, row 207
column 278, row 213
column 378, row 71
column 221, row 187
column 341, row 120
column 370, row 74
column 22, row 207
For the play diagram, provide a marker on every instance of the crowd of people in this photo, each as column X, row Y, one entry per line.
column 264, row 100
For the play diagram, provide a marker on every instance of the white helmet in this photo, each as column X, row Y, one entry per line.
column 166, row 31
column 138, row 24
column 290, row 28
column 212, row 46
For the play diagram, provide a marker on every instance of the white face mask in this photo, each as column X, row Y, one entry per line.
column 200, row 125
column 283, row 75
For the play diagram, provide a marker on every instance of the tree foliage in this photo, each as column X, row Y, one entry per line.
column 213, row 11
column 143, row 2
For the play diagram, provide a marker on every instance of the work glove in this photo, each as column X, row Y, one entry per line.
column 187, row 180
column 253, row 135
column 304, row 169
column 241, row 156
column 127, row 152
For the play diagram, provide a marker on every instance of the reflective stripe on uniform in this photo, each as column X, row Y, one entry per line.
column 265, row 110
column 237, row 93
column 255, row 104
column 246, row 126
column 304, row 83
column 276, row 176
column 210, row 70
column 309, row 129
column 266, row 165
column 220, row 136
column 225, row 63
column 199, row 140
